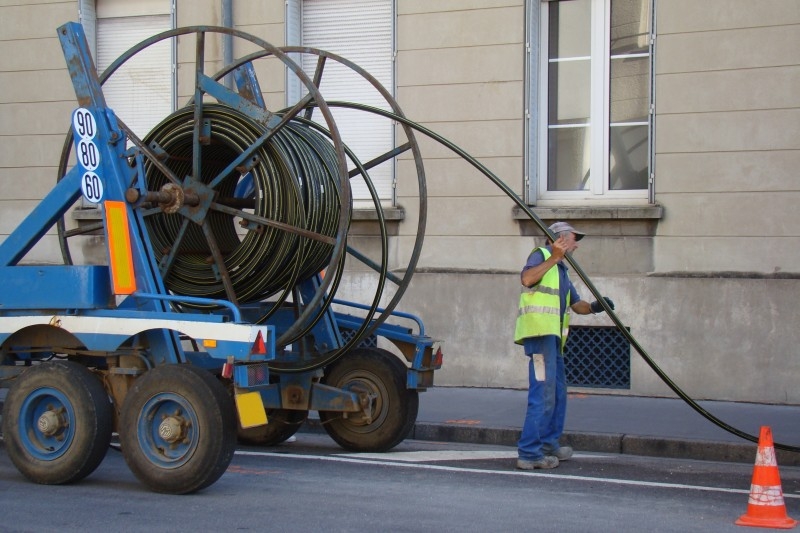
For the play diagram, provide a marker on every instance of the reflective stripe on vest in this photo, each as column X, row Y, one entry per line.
column 540, row 308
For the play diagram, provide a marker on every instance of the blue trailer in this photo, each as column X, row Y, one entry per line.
column 214, row 316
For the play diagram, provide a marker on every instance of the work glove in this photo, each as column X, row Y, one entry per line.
column 597, row 307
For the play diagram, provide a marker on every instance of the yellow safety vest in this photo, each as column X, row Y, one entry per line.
column 540, row 308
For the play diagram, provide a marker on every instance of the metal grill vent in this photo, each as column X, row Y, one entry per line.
column 598, row 357
column 370, row 341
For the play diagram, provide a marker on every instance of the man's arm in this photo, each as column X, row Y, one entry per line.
column 582, row 307
column 534, row 275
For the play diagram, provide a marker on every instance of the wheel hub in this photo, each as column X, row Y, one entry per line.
column 171, row 429
column 51, row 422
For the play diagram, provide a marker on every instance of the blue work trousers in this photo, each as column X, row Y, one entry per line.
column 547, row 400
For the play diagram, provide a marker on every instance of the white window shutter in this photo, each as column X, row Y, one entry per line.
column 362, row 32
column 140, row 92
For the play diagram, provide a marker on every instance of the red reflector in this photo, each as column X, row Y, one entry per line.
column 259, row 347
column 438, row 358
column 227, row 368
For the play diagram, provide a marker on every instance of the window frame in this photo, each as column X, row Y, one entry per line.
column 537, row 127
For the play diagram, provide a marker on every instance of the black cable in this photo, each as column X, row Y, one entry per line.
column 627, row 334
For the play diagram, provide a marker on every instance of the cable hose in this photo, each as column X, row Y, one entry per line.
column 291, row 179
column 583, row 276
column 293, row 182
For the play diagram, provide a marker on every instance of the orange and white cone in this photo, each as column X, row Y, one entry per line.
column 766, row 507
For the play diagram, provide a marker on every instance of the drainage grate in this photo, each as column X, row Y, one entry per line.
column 598, row 357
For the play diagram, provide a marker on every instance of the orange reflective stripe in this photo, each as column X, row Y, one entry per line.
column 119, row 248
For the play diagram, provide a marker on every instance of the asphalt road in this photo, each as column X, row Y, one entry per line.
column 312, row 485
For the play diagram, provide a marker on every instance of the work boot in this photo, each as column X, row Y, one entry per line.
column 562, row 453
column 548, row 461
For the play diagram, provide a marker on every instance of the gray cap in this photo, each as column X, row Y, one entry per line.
column 558, row 227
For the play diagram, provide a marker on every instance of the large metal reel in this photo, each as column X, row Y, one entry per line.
column 203, row 172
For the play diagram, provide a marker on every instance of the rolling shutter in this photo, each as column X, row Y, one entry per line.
column 362, row 32
column 141, row 92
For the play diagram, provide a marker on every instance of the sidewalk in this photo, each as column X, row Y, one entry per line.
column 660, row 427
column 663, row 427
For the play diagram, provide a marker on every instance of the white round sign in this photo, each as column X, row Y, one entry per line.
column 88, row 156
column 92, row 187
column 84, row 124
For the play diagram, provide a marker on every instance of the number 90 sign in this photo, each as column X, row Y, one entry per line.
column 85, row 128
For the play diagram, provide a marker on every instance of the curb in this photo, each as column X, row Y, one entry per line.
column 615, row 443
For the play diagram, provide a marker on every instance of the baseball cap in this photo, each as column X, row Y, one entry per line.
column 558, row 227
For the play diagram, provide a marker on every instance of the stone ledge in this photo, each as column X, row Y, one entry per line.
column 390, row 214
column 593, row 213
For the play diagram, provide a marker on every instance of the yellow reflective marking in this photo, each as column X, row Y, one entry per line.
column 119, row 248
column 251, row 409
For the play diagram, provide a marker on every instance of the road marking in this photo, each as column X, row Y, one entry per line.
column 541, row 474
column 425, row 456
column 435, row 455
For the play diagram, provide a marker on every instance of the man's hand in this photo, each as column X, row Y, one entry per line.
column 597, row 307
column 562, row 246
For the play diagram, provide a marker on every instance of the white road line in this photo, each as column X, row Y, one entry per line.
column 434, row 455
column 541, row 474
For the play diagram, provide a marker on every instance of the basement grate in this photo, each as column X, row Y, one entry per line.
column 597, row 357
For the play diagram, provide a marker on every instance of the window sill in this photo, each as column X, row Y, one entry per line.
column 364, row 221
column 390, row 214
column 645, row 212
column 599, row 221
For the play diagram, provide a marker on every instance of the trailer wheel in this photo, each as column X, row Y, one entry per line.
column 177, row 429
column 283, row 423
column 57, row 423
column 394, row 407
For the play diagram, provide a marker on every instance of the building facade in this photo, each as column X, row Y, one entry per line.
column 664, row 129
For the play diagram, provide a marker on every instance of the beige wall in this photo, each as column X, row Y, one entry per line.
column 727, row 154
column 728, row 119
column 460, row 70
column 36, row 100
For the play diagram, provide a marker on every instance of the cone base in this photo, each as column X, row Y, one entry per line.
column 780, row 523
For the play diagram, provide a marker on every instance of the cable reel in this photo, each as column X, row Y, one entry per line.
column 243, row 203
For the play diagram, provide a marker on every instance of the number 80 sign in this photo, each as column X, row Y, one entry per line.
column 85, row 127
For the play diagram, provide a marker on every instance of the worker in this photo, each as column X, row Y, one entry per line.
column 542, row 326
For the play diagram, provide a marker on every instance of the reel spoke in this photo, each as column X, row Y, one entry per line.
column 165, row 266
column 151, row 156
column 273, row 223
column 84, row 230
column 317, row 81
column 219, row 261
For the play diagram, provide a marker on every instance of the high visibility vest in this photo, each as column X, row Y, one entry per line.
column 540, row 308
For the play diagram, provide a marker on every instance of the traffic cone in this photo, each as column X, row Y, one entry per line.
column 766, row 507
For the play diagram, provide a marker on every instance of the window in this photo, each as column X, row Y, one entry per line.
column 594, row 94
column 141, row 92
column 362, row 32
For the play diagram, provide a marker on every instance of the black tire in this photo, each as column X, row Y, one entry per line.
column 199, row 410
column 394, row 408
column 282, row 424
column 69, row 402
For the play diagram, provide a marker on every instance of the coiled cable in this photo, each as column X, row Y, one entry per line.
column 291, row 181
